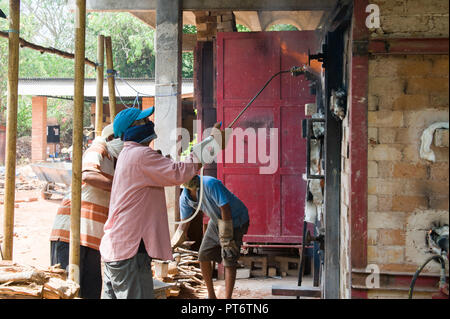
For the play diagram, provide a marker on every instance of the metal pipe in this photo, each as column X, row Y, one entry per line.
column 11, row 128
column 77, row 141
column 254, row 98
column 100, row 77
column 111, row 79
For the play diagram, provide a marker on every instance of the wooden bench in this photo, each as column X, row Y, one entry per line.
column 296, row 291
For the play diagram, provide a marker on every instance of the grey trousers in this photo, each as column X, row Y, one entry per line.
column 129, row 278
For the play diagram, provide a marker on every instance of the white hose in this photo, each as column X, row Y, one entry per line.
column 199, row 202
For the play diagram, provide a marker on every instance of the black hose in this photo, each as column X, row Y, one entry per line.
column 416, row 274
column 257, row 94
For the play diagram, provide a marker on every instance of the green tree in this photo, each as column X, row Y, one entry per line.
column 282, row 27
column 132, row 43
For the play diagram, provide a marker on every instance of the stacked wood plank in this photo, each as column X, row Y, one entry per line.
column 25, row 282
column 184, row 272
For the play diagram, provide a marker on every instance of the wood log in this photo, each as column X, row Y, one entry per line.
column 65, row 289
column 23, row 276
column 183, row 250
column 21, row 292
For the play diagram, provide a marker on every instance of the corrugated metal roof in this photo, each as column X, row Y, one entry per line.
column 65, row 87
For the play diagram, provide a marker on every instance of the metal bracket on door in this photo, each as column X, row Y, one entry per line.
column 308, row 133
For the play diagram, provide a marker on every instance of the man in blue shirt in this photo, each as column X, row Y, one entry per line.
column 229, row 222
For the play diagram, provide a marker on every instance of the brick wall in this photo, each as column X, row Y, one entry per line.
column 413, row 18
column 405, row 193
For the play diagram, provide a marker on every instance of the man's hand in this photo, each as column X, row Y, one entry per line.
column 178, row 238
column 219, row 135
column 229, row 248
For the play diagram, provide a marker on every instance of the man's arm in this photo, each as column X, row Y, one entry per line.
column 180, row 235
column 98, row 180
column 225, row 211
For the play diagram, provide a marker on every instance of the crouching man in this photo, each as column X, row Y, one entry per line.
column 229, row 222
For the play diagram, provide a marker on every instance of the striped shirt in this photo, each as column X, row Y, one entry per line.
column 94, row 201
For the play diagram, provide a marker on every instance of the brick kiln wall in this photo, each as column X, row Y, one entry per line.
column 407, row 94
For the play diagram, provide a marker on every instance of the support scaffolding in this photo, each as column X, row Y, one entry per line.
column 111, row 78
column 80, row 33
column 11, row 128
column 100, row 76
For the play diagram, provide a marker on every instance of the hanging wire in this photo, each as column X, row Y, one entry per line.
column 116, row 75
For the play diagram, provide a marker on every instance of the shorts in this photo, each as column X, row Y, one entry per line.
column 210, row 249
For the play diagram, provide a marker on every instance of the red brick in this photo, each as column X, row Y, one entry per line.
column 437, row 187
column 385, row 169
column 439, row 171
column 414, row 66
column 385, row 119
column 406, row 170
column 427, row 85
column 401, row 203
column 384, row 152
column 439, row 203
column 398, row 267
column 391, row 237
column 440, row 64
column 411, row 102
column 384, row 203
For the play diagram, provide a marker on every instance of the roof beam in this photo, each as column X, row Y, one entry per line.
column 149, row 18
column 209, row 5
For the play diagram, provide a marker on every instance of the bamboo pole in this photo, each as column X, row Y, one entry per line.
column 111, row 79
column 100, row 77
column 77, row 141
column 25, row 44
column 11, row 128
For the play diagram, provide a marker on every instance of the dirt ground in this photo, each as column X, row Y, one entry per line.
column 33, row 222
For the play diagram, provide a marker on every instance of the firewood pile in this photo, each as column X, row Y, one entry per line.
column 184, row 273
column 26, row 282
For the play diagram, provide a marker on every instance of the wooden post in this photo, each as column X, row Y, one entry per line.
column 111, row 79
column 100, row 77
column 11, row 128
column 77, row 141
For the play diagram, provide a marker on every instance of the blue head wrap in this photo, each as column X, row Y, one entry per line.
column 140, row 133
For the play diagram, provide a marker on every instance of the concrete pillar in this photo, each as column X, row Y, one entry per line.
column 38, row 128
column 168, row 87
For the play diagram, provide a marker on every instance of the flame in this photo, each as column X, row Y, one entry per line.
column 301, row 58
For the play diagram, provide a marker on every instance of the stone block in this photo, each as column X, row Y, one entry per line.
column 391, row 237
column 256, row 264
column 404, row 203
column 411, row 102
column 408, row 170
column 385, row 118
column 386, row 220
column 289, row 265
column 385, row 152
column 441, row 138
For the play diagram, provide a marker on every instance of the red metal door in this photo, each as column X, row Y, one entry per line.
column 275, row 198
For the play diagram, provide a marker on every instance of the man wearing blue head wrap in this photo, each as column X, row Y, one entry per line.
column 137, row 227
